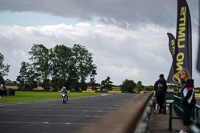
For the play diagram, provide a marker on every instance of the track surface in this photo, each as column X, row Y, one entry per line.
column 53, row 116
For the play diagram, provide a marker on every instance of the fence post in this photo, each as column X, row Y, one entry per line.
column 197, row 112
column 170, row 116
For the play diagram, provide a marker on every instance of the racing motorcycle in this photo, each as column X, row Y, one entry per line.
column 64, row 97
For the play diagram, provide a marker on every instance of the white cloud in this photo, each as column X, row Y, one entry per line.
column 131, row 43
column 140, row 54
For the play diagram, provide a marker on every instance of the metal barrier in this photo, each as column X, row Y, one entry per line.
column 168, row 97
column 134, row 115
column 195, row 126
column 179, row 111
column 178, row 106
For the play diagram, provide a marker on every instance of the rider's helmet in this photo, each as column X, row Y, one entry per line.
column 64, row 89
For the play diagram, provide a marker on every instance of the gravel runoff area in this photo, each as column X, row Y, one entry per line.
column 54, row 116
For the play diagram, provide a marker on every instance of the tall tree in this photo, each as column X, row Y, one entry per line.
column 128, row 85
column 107, row 84
column 62, row 65
column 92, row 78
column 83, row 63
column 8, row 81
column 40, row 56
column 139, row 86
column 2, row 81
column 4, row 68
column 27, row 78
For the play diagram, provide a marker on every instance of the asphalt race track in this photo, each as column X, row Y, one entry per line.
column 54, row 116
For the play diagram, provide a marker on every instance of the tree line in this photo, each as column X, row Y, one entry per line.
column 62, row 66
column 57, row 67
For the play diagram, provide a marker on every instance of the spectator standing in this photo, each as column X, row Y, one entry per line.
column 187, row 97
column 160, row 88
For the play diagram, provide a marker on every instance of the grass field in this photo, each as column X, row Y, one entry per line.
column 25, row 97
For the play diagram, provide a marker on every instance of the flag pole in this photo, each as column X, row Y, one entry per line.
column 198, row 54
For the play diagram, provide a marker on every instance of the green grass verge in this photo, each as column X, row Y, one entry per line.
column 25, row 97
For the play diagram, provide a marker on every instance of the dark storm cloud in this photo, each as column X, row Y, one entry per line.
column 124, row 13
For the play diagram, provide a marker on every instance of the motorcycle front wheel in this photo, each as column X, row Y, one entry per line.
column 64, row 99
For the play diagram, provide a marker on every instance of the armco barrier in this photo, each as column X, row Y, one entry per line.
column 114, row 92
column 8, row 92
column 88, row 91
column 3, row 92
column 135, row 114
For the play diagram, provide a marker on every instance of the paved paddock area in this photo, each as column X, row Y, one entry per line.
column 54, row 116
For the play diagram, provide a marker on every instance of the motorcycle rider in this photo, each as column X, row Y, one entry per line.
column 64, row 90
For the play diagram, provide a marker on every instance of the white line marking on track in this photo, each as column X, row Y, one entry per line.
column 59, row 123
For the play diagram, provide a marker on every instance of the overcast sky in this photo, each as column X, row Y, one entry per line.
column 128, row 38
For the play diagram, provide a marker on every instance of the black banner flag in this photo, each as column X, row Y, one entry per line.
column 173, row 51
column 198, row 56
column 182, row 57
column 184, row 37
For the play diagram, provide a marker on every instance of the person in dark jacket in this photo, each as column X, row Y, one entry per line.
column 187, row 96
column 160, row 88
